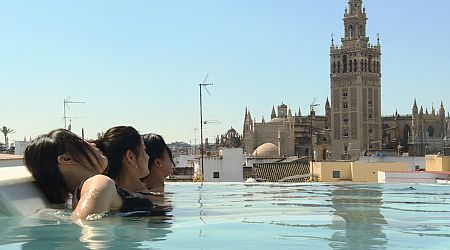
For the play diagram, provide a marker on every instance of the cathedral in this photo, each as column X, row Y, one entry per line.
column 292, row 134
column 418, row 133
column 352, row 125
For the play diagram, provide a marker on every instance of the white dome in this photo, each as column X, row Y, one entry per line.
column 266, row 150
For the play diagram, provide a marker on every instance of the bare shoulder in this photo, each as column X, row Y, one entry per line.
column 98, row 194
column 99, row 182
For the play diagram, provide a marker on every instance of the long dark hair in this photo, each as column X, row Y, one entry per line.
column 115, row 143
column 41, row 159
column 155, row 147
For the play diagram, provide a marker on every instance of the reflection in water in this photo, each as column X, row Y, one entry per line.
column 124, row 233
column 113, row 232
column 54, row 229
column 357, row 220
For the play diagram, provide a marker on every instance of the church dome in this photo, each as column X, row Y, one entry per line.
column 266, row 150
column 231, row 133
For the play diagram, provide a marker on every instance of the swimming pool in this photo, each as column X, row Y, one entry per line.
column 253, row 216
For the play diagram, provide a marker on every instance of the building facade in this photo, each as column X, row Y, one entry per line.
column 352, row 125
column 355, row 76
column 292, row 134
column 418, row 133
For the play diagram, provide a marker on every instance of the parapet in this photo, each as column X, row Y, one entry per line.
column 19, row 195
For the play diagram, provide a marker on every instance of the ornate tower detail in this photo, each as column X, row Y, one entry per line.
column 415, row 120
column 282, row 111
column 273, row 115
column 355, row 76
column 327, row 114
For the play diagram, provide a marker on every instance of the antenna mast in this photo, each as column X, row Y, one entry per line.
column 66, row 105
column 202, row 85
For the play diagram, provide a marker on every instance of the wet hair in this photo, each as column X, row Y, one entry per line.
column 41, row 159
column 114, row 145
column 155, row 146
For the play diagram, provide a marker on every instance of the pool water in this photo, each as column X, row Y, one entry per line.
column 254, row 216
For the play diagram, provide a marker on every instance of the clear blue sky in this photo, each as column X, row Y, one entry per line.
column 139, row 62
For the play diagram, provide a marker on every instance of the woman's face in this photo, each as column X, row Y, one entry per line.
column 142, row 161
column 167, row 164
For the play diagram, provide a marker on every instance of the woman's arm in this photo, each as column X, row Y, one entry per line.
column 98, row 195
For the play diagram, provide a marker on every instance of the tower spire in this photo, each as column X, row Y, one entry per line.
column 355, row 25
column 273, row 115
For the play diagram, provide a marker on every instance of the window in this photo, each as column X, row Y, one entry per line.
column 345, row 132
column 345, row 105
column 336, row 174
column 215, row 174
column 344, row 93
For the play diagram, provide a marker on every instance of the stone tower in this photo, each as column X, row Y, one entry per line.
column 248, row 132
column 355, row 74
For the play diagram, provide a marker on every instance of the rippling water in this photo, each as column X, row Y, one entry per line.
column 252, row 216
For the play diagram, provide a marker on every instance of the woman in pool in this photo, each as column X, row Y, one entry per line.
column 160, row 163
column 62, row 163
column 128, row 160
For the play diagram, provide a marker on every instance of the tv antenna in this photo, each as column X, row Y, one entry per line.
column 311, row 153
column 202, row 85
column 66, row 106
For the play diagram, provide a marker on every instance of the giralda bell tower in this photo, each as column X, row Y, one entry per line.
column 355, row 73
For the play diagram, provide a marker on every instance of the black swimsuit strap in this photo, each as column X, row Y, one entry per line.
column 133, row 202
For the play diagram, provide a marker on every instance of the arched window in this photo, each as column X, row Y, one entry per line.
column 361, row 65
column 386, row 133
column 345, row 133
column 350, row 65
column 378, row 66
column 406, row 134
column 361, row 30
column 354, row 64
column 430, row 131
column 370, row 63
column 344, row 62
column 351, row 30
column 339, row 67
column 334, row 67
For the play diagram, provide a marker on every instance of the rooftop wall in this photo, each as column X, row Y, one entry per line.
column 437, row 163
column 368, row 172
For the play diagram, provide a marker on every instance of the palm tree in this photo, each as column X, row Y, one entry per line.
column 6, row 131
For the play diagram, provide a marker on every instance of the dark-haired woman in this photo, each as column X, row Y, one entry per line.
column 128, row 160
column 160, row 163
column 62, row 164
